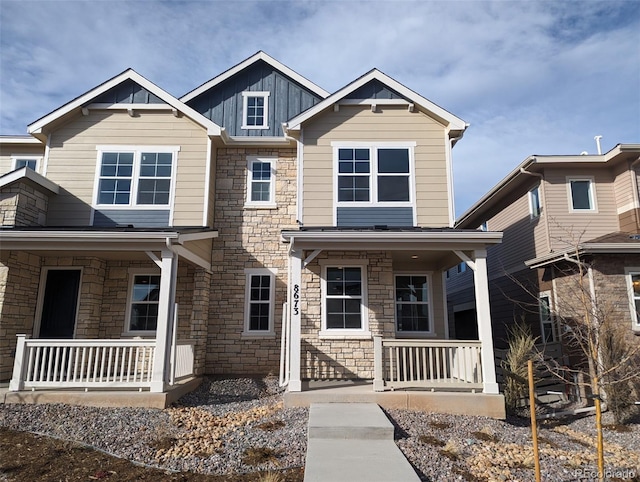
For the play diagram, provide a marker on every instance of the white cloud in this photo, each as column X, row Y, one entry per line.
column 530, row 77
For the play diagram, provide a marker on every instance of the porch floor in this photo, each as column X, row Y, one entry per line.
column 103, row 398
column 347, row 391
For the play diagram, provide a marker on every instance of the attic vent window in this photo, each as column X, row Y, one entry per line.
column 255, row 110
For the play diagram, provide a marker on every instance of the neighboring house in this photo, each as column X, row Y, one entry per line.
column 553, row 211
column 257, row 224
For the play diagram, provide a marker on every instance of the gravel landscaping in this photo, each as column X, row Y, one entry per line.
column 239, row 426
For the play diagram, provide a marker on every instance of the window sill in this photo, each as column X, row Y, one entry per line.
column 344, row 335
column 261, row 206
column 249, row 128
column 253, row 335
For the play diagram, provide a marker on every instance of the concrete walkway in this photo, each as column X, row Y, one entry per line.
column 353, row 442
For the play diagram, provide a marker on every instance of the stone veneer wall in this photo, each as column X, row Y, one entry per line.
column 248, row 238
column 22, row 205
column 346, row 358
column 19, row 280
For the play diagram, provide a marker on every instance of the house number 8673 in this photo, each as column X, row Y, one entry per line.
column 296, row 299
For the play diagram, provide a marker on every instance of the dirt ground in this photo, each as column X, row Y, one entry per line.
column 28, row 457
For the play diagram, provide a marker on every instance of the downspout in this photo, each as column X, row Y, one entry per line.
column 449, row 164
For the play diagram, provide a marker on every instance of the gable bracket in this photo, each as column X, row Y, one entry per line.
column 311, row 257
column 466, row 259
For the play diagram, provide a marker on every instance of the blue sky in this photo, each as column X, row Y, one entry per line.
column 530, row 77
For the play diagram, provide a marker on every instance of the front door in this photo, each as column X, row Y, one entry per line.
column 60, row 303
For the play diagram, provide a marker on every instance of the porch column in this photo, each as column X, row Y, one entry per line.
column 166, row 300
column 295, row 258
column 484, row 321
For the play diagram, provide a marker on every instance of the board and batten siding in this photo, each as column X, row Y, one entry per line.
column 388, row 123
column 7, row 151
column 567, row 228
column 73, row 159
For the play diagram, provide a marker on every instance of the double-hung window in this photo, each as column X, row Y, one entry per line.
column 547, row 326
column 344, row 299
column 261, row 182
column 374, row 174
column 144, row 292
column 412, row 303
column 259, row 302
column 135, row 177
column 633, row 288
column 255, row 110
column 581, row 194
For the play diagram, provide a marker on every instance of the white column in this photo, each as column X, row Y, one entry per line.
column 378, row 376
column 295, row 384
column 19, row 365
column 484, row 322
column 166, row 300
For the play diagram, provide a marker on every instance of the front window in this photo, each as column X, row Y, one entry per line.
column 136, row 177
column 547, row 326
column 255, row 110
column 582, row 195
column 344, row 290
column 259, row 309
column 143, row 307
column 261, row 182
column 377, row 174
column 534, row 202
column 633, row 283
column 412, row 303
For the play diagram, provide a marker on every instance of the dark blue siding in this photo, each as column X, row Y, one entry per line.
column 139, row 218
column 128, row 92
column 223, row 103
column 374, row 89
column 373, row 216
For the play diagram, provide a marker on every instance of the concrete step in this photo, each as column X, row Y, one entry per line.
column 364, row 421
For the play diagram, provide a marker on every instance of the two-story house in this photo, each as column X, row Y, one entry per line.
column 257, row 224
column 554, row 212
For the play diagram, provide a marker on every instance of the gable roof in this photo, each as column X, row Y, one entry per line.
column 81, row 101
column 448, row 119
column 23, row 140
column 260, row 55
column 530, row 167
column 26, row 174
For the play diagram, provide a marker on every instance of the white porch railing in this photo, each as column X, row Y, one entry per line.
column 430, row 364
column 97, row 364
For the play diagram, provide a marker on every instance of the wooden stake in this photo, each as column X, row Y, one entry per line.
column 599, row 429
column 534, row 425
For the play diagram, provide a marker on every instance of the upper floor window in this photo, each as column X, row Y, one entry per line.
column 374, row 174
column 259, row 302
column 534, row 202
column 261, row 182
column 144, row 292
column 255, row 110
column 135, row 176
column 581, row 194
column 633, row 285
column 25, row 161
column 412, row 303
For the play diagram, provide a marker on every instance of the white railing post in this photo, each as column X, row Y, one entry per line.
column 19, row 365
column 378, row 377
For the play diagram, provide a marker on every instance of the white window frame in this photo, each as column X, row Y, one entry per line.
column 363, row 332
column 15, row 158
column 535, row 210
column 373, row 174
column 592, row 194
column 550, row 321
column 133, row 272
column 429, row 303
column 635, row 319
column 249, row 273
column 271, row 203
column 137, row 152
column 245, row 104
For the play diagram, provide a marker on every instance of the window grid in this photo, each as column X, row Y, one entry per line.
column 412, row 303
column 260, row 181
column 546, row 319
column 343, row 303
column 116, row 177
column 145, row 291
column 30, row 163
